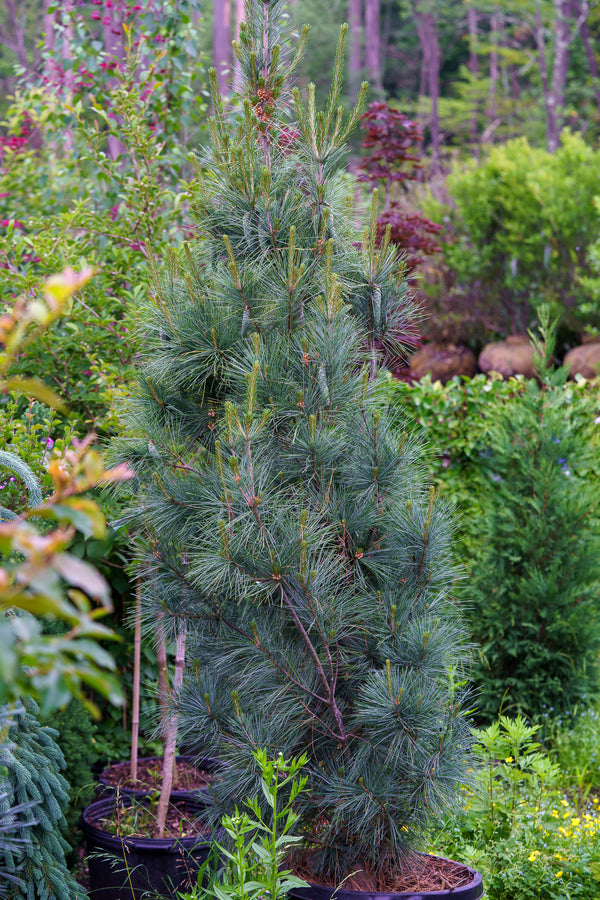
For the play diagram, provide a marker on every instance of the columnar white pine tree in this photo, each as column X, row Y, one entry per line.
column 286, row 520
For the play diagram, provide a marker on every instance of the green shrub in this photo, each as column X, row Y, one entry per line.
column 88, row 355
column 457, row 419
column 535, row 579
column 523, row 220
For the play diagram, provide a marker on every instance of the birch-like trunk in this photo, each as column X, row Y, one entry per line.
column 491, row 110
column 169, row 759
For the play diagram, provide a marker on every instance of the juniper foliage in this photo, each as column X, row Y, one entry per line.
column 283, row 518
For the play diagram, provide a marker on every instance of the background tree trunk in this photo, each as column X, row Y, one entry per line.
column 355, row 62
column 238, row 19
column 589, row 53
column 473, row 63
column 554, row 86
column 222, row 42
column 426, row 25
column 492, row 104
column 50, row 61
column 112, row 24
column 373, row 43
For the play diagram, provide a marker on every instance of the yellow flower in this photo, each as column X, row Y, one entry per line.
column 564, row 802
column 533, row 855
column 509, row 759
column 558, row 874
column 575, row 823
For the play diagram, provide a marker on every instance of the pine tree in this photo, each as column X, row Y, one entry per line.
column 282, row 518
column 535, row 584
column 31, row 760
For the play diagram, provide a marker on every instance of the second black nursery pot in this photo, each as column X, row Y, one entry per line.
column 132, row 868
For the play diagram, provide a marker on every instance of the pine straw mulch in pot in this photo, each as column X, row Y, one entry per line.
column 149, row 771
column 420, row 873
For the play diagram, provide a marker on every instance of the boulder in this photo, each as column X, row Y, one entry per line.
column 442, row 361
column 584, row 360
column 513, row 356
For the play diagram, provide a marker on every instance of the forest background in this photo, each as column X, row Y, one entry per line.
column 473, row 72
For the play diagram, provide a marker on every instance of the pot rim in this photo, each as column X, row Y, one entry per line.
column 158, row 845
column 471, row 891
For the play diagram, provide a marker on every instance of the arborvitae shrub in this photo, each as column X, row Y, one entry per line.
column 536, row 581
column 285, row 523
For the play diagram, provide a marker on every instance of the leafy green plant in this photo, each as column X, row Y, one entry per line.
column 137, row 201
column 457, row 420
column 38, row 577
column 573, row 741
column 252, row 863
column 519, row 828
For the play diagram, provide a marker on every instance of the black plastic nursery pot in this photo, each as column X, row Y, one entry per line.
column 204, row 764
column 472, row 889
column 137, row 868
